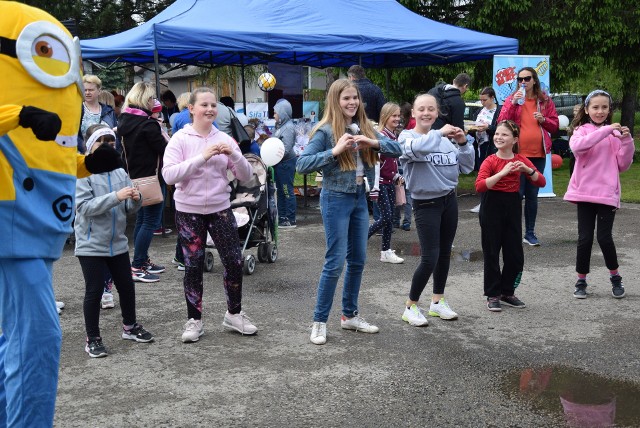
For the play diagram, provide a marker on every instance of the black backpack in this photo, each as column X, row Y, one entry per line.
column 443, row 117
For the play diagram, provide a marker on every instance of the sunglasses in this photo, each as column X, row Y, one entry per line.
column 524, row 79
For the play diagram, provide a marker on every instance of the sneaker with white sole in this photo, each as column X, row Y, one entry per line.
column 239, row 322
column 137, row 333
column 475, row 209
column 193, row 329
column 442, row 309
column 107, row 301
column 178, row 263
column 141, row 275
column 357, row 323
column 617, row 288
column 414, row 316
column 95, row 348
column 389, row 256
column 319, row 333
column 152, row 267
column 59, row 307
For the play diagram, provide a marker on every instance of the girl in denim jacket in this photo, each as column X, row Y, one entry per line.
column 344, row 147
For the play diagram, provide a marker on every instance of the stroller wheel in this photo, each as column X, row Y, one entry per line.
column 262, row 252
column 249, row 265
column 208, row 261
column 271, row 251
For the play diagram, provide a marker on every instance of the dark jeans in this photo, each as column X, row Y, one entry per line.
column 587, row 214
column 501, row 223
column 285, row 172
column 148, row 219
column 406, row 208
column 93, row 269
column 436, row 222
column 530, row 194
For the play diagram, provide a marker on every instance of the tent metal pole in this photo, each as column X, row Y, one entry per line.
column 156, row 67
column 244, row 94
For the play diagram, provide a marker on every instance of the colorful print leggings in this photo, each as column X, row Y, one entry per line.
column 192, row 235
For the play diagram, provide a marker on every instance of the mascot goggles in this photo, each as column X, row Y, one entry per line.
column 48, row 54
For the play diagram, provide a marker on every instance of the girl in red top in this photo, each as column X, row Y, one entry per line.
column 501, row 215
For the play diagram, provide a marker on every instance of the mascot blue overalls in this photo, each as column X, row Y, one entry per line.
column 40, row 100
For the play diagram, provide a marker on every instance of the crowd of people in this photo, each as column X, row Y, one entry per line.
column 411, row 158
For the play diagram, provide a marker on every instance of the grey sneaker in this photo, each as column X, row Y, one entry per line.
column 239, row 322
column 192, row 331
column 581, row 289
column 512, row 301
column 493, row 304
column 617, row 288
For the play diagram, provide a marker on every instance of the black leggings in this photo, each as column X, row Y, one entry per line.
column 436, row 222
column 587, row 214
column 93, row 269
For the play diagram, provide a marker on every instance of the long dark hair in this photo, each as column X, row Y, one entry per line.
column 537, row 89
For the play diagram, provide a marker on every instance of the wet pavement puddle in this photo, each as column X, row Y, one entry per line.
column 585, row 399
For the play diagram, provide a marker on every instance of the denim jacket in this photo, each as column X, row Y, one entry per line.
column 317, row 156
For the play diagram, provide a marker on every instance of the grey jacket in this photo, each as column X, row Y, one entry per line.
column 317, row 157
column 285, row 129
column 101, row 219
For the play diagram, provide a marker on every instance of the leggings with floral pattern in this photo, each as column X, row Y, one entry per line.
column 192, row 235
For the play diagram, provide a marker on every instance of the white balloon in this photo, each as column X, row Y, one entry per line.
column 564, row 121
column 272, row 151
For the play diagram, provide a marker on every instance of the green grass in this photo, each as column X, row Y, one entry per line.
column 629, row 180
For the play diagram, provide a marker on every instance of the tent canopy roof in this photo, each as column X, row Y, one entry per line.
column 327, row 33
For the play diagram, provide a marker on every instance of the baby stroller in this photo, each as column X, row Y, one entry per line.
column 254, row 206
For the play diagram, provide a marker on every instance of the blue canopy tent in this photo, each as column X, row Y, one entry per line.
column 327, row 33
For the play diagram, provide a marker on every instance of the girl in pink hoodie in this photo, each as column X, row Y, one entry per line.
column 197, row 161
column 602, row 150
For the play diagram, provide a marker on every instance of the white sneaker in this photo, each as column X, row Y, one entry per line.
column 475, row 209
column 192, row 331
column 319, row 333
column 389, row 256
column 59, row 307
column 107, row 301
column 414, row 316
column 239, row 322
column 442, row 310
column 358, row 324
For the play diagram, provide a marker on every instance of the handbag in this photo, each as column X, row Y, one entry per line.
column 401, row 197
column 238, row 132
column 149, row 187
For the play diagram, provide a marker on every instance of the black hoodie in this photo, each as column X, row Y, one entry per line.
column 143, row 142
column 451, row 106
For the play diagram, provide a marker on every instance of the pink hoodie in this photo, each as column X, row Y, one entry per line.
column 202, row 187
column 601, row 154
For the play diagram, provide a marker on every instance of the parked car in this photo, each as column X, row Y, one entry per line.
column 565, row 102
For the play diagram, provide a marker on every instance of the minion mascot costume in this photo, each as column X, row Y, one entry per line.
column 40, row 100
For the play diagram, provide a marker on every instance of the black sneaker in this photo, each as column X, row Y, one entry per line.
column 137, row 333
column 513, row 301
column 617, row 288
column 95, row 348
column 581, row 289
column 286, row 224
column 493, row 304
column 153, row 268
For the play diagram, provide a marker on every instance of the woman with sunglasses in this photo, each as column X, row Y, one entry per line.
column 537, row 119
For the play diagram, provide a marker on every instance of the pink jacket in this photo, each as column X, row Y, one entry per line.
column 511, row 111
column 601, row 154
column 202, row 187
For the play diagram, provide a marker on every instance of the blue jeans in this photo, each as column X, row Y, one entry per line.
column 346, row 223
column 149, row 219
column 285, row 172
column 530, row 194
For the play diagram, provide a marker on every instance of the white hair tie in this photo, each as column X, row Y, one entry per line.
column 97, row 134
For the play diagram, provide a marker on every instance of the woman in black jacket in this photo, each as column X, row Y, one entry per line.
column 143, row 149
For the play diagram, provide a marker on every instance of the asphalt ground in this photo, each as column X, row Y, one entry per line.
column 449, row 374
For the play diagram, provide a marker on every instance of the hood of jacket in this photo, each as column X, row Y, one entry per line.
column 284, row 110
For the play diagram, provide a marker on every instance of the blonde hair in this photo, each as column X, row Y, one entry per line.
column 140, row 95
column 183, row 100
column 333, row 116
column 386, row 112
column 106, row 97
column 204, row 89
column 90, row 78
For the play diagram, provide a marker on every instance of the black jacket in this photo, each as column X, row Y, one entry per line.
column 451, row 106
column 143, row 142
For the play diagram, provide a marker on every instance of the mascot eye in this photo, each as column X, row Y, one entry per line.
column 49, row 47
column 44, row 49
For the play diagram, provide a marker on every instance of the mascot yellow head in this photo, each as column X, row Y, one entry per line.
column 40, row 66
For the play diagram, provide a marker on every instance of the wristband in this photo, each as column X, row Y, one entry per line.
column 533, row 171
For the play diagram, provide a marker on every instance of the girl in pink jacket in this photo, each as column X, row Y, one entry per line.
column 197, row 160
column 602, row 150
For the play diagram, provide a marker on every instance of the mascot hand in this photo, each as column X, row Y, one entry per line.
column 104, row 159
column 45, row 125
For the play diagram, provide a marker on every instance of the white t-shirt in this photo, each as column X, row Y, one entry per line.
column 485, row 117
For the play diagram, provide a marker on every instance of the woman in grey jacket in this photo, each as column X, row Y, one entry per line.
column 285, row 170
column 102, row 203
column 344, row 147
